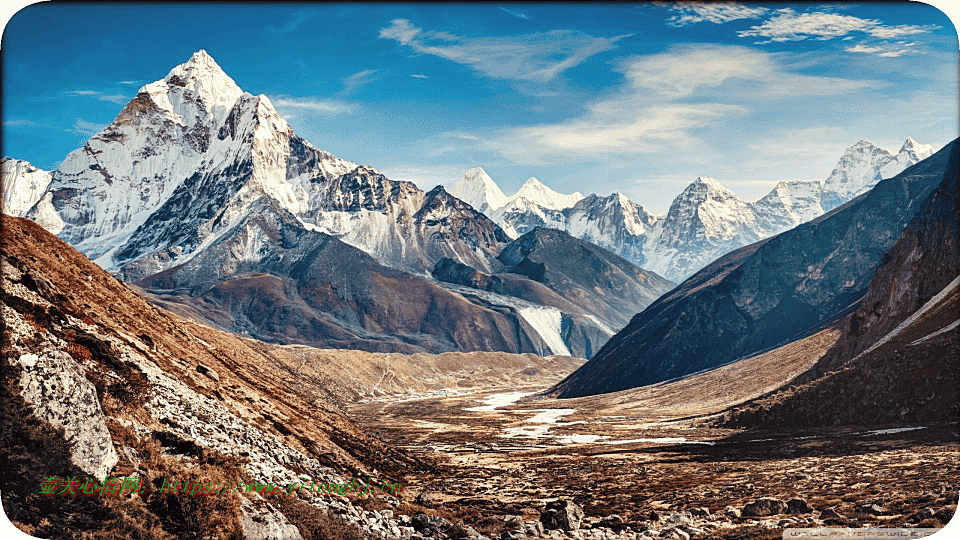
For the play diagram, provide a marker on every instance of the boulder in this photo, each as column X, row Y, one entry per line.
column 798, row 506
column 830, row 513
column 53, row 384
column 562, row 515
column 613, row 522
column 765, row 506
column 260, row 521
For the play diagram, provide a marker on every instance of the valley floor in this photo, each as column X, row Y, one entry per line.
column 649, row 455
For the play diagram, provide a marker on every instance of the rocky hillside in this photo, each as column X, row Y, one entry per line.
column 765, row 294
column 98, row 382
column 898, row 356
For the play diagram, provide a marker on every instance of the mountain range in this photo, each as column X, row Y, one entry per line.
column 773, row 291
column 203, row 196
column 705, row 221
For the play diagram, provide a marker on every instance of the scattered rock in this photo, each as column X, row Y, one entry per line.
column 533, row 528
column 430, row 525
column 562, row 515
column 204, row 370
column 731, row 512
column 945, row 514
column 424, row 499
column 612, row 522
column 873, row 509
column 798, row 506
column 765, row 506
column 830, row 513
column 700, row 512
column 921, row 515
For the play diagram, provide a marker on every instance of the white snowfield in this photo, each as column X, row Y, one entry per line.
column 704, row 222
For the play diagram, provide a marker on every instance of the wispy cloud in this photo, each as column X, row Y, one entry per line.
column 358, row 79
column 419, row 76
column 514, row 13
column 294, row 23
column 717, row 13
column 128, row 82
column 666, row 100
column 532, row 57
column 312, row 105
column 789, row 25
column 901, row 48
column 84, row 128
column 102, row 96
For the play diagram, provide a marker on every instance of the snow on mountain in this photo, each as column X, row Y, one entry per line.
column 788, row 205
column 705, row 221
column 23, row 185
column 537, row 193
column 477, row 189
column 104, row 191
column 614, row 222
column 863, row 165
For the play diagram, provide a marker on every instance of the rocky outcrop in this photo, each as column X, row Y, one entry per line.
column 562, row 515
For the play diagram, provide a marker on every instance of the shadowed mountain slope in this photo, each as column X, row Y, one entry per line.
column 898, row 356
column 765, row 294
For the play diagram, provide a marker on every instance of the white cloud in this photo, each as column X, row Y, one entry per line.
column 532, row 57
column 84, row 128
column 419, row 76
column 666, row 99
column 358, row 79
column 717, row 13
column 886, row 52
column 311, row 105
column 515, row 13
column 102, row 96
column 789, row 25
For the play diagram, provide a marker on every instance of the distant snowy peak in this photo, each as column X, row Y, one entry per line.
column 536, row 192
column 23, row 185
column 477, row 189
column 864, row 164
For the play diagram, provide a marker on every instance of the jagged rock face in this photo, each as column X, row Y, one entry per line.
column 614, row 223
column 603, row 284
column 271, row 278
column 23, row 185
column 54, row 386
column 765, row 294
column 185, row 160
column 704, row 221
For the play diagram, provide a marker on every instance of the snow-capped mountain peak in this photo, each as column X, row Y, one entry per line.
column 916, row 150
column 23, row 185
column 198, row 79
column 536, row 192
column 477, row 189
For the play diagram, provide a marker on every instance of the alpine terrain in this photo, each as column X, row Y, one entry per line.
column 705, row 221
column 766, row 294
column 206, row 198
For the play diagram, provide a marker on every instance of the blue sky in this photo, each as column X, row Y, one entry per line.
column 591, row 97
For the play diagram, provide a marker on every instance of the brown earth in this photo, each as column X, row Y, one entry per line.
column 842, row 468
